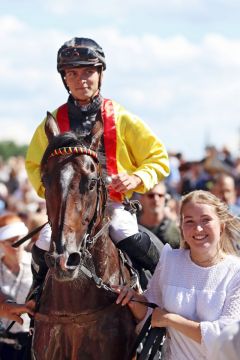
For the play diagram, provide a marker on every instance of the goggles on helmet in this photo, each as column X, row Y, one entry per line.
column 77, row 56
column 79, row 53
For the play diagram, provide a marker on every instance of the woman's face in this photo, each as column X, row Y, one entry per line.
column 201, row 228
column 82, row 82
column 7, row 249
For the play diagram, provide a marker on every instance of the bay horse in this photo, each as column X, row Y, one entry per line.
column 77, row 317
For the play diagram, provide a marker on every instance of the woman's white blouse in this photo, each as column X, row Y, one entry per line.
column 17, row 288
column 209, row 295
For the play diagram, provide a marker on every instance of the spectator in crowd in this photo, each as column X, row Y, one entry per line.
column 196, row 287
column 193, row 177
column 227, row 157
column 15, row 282
column 154, row 215
column 13, row 181
column 174, row 178
column 223, row 186
column 214, row 162
column 3, row 197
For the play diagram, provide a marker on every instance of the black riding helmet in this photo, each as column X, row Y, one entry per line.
column 79, row 52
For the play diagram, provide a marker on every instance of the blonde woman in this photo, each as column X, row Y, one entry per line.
column 196, row 287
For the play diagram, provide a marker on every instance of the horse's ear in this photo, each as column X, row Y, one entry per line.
column 51, row 127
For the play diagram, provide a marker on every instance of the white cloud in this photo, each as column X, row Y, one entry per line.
column 114, row 6
column 222, row 51
column 10, row 24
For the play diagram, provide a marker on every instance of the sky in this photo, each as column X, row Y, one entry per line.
column 174, row 63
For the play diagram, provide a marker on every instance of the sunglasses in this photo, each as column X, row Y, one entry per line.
column 152, row 195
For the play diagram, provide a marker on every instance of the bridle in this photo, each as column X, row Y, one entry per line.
column 81, row 150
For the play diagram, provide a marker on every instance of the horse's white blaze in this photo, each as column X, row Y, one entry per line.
column 71, row 242
column 65, row 179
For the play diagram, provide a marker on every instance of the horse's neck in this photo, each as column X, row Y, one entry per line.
column 70, row 297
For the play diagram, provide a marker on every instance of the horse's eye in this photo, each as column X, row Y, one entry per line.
column 92, row 184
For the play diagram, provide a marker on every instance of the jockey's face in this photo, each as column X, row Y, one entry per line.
column 83, row 82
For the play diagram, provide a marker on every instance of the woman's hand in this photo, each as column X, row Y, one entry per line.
column 159, row 318
column 133, row 299
column 126, row 294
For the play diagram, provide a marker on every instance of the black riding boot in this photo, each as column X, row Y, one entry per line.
column 39, row 271
column 141, row 250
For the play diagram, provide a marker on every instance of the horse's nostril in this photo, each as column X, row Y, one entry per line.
column 73, row 259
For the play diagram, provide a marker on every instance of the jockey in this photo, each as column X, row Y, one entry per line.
column 134, row 158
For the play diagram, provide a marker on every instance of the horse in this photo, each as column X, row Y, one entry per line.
column 78, row 317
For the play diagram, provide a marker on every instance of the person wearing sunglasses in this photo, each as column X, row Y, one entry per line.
column 154, row 215
column 135, row 159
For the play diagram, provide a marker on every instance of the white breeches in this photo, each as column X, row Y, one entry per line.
column 123, row 224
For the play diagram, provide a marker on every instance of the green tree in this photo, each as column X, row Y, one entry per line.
column 9, row 148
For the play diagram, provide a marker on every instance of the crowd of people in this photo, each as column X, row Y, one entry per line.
column 162, row 215
column 194, row 213
column 222, row 178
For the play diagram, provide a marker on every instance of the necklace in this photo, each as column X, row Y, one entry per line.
column 219, row 256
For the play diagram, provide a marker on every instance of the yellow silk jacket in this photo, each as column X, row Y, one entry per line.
column 130, row 146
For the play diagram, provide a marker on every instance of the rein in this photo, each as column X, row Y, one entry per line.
column 152, row 338
column 29, row 235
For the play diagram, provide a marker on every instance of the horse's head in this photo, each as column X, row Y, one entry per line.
column 75, row 193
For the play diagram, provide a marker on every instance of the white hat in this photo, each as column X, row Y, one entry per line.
column 14, row 229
